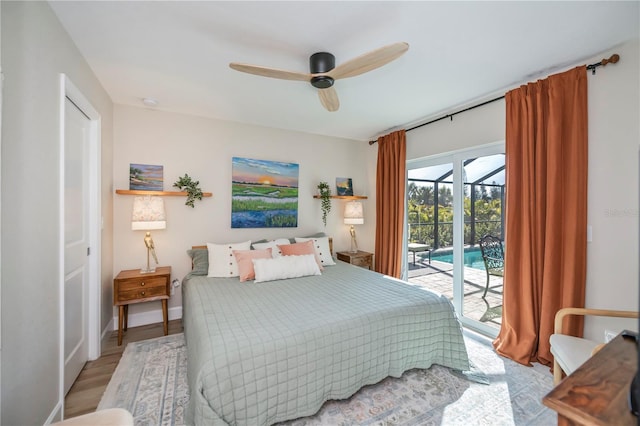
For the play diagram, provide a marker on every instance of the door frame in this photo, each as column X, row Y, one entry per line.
column 456, row 158
column 69, row 90
column 458, row 230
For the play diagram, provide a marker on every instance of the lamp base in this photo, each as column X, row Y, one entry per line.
column 149, row 270
column 354, row 243
column 149, row 243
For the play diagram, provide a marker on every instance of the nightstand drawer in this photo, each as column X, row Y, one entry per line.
column 141, row 284
column 359, row 258
column 142, row 293
column 361, row 261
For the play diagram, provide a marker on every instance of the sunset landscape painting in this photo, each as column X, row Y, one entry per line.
column 146, row 177
column 264, row 194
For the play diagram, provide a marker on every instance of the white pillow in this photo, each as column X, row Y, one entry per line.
column 222, row 262
column 321, row 246
column 284, row 267
column 273, row 245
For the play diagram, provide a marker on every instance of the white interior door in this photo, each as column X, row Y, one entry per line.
column 76, row 241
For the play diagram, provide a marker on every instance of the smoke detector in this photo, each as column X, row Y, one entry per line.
column 150, row 102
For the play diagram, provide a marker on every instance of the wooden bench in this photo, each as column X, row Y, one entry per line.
column 418, row 248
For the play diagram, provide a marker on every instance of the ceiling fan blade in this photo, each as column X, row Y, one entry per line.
column 270, row 72
column 369, row 61
column 329, row 99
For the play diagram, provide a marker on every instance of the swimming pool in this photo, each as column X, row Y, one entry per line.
column 472, row 258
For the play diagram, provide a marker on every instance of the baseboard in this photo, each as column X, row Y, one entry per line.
column 56, row 414
column 106, row 333
column 149, row 317
column 478, row 337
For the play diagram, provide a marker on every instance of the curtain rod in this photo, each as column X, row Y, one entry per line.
column 612, row 59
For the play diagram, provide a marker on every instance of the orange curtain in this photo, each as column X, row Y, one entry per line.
column 391, row 179
column 546, row 212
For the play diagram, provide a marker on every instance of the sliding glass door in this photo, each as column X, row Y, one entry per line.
column 453, row 201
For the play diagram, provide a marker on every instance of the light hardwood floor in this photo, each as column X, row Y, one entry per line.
column 86, row 392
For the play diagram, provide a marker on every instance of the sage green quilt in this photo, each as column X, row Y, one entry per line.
column 268, row 352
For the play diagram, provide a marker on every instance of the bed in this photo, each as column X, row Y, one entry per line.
column 262, row 353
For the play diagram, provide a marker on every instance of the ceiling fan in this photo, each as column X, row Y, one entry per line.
column 323, row 70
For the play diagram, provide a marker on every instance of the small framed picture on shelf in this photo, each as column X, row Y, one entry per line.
column 344, row 186
column 146, row 177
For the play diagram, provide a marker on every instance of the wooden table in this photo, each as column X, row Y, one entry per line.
column 597, row 392
column 418, row 248
column 131, row 286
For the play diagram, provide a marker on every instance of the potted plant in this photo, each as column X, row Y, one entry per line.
column 325, row 200
column 192, row 188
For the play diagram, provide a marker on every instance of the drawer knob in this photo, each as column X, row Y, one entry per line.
column 142, row 293
column 142, row 283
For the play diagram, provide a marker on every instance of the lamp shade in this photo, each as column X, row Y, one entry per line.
column 148, row 213
column 353, row 213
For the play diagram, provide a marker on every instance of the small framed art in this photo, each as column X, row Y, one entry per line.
column 146, row 177
column 344, row 186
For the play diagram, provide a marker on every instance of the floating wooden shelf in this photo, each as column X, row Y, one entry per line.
column 162, row 193
column 346, row 197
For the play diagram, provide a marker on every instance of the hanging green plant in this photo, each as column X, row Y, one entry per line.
column 325, row 200
column 191, row 187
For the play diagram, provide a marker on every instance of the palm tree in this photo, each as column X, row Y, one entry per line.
column 445, row 197
column 420, row 194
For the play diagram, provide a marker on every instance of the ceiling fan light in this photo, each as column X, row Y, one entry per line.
column 322, row 82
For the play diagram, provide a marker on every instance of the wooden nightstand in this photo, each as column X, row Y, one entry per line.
column 360, row 258
column 131, row 286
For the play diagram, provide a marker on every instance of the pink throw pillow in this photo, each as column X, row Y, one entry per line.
column 245, row 265
column 299, row 249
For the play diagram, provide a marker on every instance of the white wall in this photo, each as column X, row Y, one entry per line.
column 203, row 149
column 35, row 50
column 614, row 110
column 479, row 126
column 1, row 74
column 614, row 133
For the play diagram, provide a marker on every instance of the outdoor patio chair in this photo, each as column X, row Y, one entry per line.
column 493, row 256
column 571, row 352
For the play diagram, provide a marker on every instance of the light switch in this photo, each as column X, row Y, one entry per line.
column 589, row 233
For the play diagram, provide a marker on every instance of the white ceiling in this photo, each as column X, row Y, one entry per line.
column 178, row 52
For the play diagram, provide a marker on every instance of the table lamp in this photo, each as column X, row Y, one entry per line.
column 148, row 214
column 353, row 215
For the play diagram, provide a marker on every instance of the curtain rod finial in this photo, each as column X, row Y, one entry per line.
column 612, row 59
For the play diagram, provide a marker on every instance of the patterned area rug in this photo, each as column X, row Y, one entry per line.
column 151, row 382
